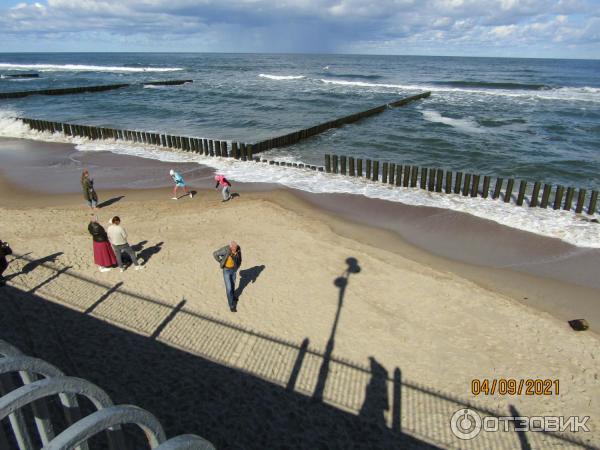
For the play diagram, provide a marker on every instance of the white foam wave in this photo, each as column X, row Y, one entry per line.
column 281, row 77
column 370, row 85
column 583, row 94
column 84, row 68
column 564, row 225
column 467, row 124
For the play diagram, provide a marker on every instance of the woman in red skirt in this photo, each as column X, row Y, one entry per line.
column 104, row 257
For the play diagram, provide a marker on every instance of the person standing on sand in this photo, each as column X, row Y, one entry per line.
column 230, row 260
column 104, row 257
column 179, row 183
column 89, row 194
column 5, row 250
column 225, row 184
column 118, row 238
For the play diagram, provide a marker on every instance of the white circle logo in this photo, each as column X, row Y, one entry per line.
column 465, row 424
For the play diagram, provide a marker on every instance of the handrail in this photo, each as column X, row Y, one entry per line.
column 106, row 418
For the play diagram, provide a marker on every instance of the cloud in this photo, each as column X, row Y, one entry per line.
column 372, row 26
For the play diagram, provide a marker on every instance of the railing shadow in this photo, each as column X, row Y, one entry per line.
column 237, row 387
column 31, row 264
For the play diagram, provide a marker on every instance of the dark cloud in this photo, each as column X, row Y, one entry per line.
column 373, row 26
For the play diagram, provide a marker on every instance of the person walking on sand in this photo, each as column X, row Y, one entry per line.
column 226, row 185
column 118, row 238
column 89, row 194
column 230, row 260
column 179, row 183
column 104, row 257
column 5, row 250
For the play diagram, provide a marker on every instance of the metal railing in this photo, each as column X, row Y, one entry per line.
column 42, row 380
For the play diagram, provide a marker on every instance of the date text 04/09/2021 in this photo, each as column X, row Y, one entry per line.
column 513, row 386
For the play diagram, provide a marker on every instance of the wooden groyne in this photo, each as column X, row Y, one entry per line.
column 466, row 184
column 202, row 146
column 296, row 136
column 208, row 147
column 82, row 89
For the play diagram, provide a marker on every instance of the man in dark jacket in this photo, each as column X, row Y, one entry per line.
column 230, row 260
column 4, row 251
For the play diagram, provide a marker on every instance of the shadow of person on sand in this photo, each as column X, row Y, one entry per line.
column 376, row 395
column 109, row 202
column 148, row 252
column 145, row 253
column 190, row 194
column 32, row 265
column 248, row 276
column 139, row 246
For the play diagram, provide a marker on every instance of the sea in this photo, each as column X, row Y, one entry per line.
column 530, row 119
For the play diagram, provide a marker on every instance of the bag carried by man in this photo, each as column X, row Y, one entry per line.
column 5, row 249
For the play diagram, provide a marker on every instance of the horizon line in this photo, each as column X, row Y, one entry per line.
column 301, row 53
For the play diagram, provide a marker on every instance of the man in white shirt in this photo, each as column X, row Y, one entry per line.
column 118, row 239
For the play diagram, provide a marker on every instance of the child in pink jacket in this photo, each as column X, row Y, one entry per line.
column 225, row 184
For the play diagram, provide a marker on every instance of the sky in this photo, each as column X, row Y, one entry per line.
column 511, row 28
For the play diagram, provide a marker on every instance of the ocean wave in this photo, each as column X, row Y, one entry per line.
column 500, row 122
column 466, row 124
column 370, row 85
column 493, row 85
column 564, row 225
column 352, row 75
column 84, row 68
column 281, row 77
column 579, row 94
column 2, row 77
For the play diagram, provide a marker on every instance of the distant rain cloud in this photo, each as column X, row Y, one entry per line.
column 468, row 27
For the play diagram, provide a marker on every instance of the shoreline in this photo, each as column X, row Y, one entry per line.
column 564, row 286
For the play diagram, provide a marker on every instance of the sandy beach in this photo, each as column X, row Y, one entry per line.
column 361, row 303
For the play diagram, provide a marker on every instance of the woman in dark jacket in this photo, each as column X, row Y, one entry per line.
column 4, row 251
column 104, row 257
column 89, row 194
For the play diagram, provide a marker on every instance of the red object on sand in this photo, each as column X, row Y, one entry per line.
column 103, row 254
